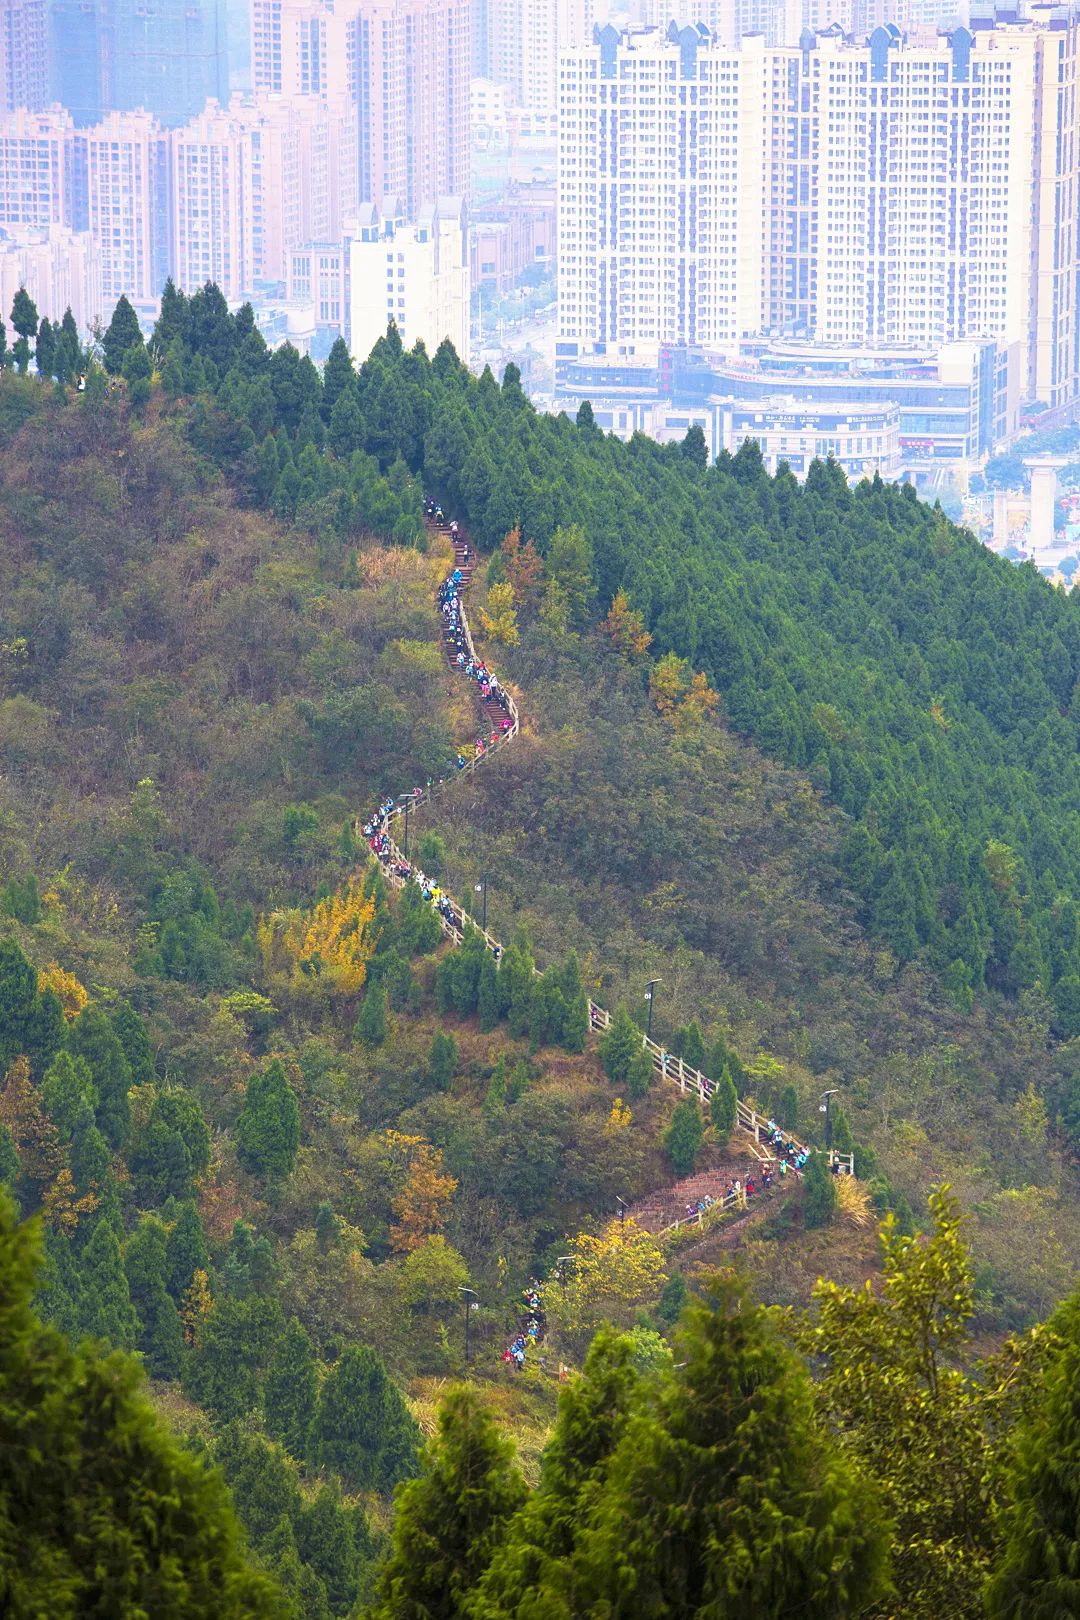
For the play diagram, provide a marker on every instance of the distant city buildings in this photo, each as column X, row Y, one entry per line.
column 416, row 275
column 24, row 55
column 889, row 193
column 59, row 268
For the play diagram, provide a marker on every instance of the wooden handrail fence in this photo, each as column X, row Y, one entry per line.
column 666, row 1064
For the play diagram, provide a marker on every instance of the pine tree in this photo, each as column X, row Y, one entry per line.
column 725, row 1497
column 339, row 376
column 819, row 1192
column 684, row 1136
column 290, row 1390
column 840, row 1135
column 693, row 1047
column 529, row 1571
column 442, row 1060
column 93, row 1038
column 46, row 349
column 121, row 333
column 233, row 1346
column 104, row 1511
column 724, row 1105
column 263, row 1483
column 31, row 1024
column 370, row 1026
column 174, row 1148
column 327, row 1543
column 619, row 1046
column 363, row 1430
column 451, row 1519
column 67, row 1088
column 132, row 1034
column 487, row 994
column 88, row 1154
column 787, row 1109
column 159, row 1336
column 268, row 1126
column 639, row 1076
column 107, row 1309
column 1038, row 1571
column 186, row 1250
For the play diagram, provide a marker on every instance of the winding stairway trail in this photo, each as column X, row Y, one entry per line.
column 755, row 1136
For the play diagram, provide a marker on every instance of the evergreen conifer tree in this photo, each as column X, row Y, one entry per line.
column 693, row 1047
column 495, row 1099
column 327, row 1541
column 724, row 1105
column 363, row 1430
column 122, row 332
column 1038, row 1572
column 819, row 1192
column 575, row 1029
column 268, row 1126
column 841, row 1138
column 174, row 1148
column 186, row 1249
column 59, row 1296
column 620, row 1043
column 371, row 1021
column 9, row 1163
column 107, row 1311
column 442, row 1060
column 487, row 994
column 303, row 1591
column 452, row 1518
column 290, row 1390
column 88, row 1153
column 787, row 1109
column 327, row 1227
column 639, row 1076
column 725, row 1497
column 67, row 1088
column 132, row 1034
column 93, row 1038
column 684, row 1136
column 234, row 1344
column 145, row 1262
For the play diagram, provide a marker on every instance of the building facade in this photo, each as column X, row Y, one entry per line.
column 24, row 55
column 913, row 192
column 59, row 268
column 119, row 194
column 35, row 168
column 169, row 57
column 416, row 275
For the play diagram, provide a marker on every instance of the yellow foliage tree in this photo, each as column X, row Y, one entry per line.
column 626, row 627
column 619, row 1118
column 682, row 697
column 499, row 618
column 62, row 1208
column 609, row 1277
column 523, row 567
column 331, row 943
column 196, row 1305
column 420, row 1203
column 73, row 997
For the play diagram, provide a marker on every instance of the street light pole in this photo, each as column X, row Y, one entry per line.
column 622, row 1213
column 650, row 997
column 408, row 803
column 826, row 1097
column 471, row 1301
column 481, row 889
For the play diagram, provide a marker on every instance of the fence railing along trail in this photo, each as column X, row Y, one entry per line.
column 671, row 1068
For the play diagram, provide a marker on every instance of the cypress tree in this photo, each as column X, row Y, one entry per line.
column 107, row 1311
column 371, row 1022
column 290, row 1390
column 1038, row 1572
column 263, row 1483
column 327, row 1543
column 724, row 1105
column 88, row 1154
column 185, row 1249
column 725, row 1497
column 529, row 1572
column 234, row 1344
column 327, row 1227
column 819, row 1192
column 487, row 994
column 452, row 1518
column 495, row 1100
column 693, row 1047
column 159, row 1336
column 132, row 1034
column 93, row 1038
column 59, row 1297
column 31, row 1025
column 363, row 1430
column 575, row 1030
column 787, row 1109
column 684, row 1136
column 268, row 1126
column 173, row 1150
column 841, row 1138
column 9, row 1162
column 67, row 1089
column 619, row 1045
column 639, row 1076
column 122, row 332
column 304, row 1592
column 442, row 1060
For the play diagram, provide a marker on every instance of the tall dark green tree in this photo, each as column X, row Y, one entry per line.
column 726, row 1497
column 24, row 320
column 442, row 1060
column 172, row 1150
column 146, row 1265
column 291, row 1389
column 186, row 1249
column 724, row 1105
column 371, row 1026
column 93, row 1038
column 363, row 1431
column 618, row 1046
column 452, row 1518
column 31, row 1024
column 234, row 1345
column 819, row 1192
column 107, row 1309
column 684, row 1136
column 268, row 1127
column 122, row 333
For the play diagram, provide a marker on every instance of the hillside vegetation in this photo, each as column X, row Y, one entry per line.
column 272, row 1128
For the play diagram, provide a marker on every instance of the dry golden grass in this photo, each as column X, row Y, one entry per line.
column 853, row 1202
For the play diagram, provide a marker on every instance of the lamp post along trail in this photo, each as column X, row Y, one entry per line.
column 650, row 997
column 481, row 889
column 825, row 1107
column 472, row 1303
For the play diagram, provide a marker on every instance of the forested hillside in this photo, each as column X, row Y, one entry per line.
column 277, row 1136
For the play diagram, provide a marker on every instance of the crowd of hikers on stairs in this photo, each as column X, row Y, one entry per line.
column 776, row 1151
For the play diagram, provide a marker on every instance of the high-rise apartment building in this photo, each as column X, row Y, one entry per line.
column 81, row 51
column 416, row 275
column 119, row 180
column 59, row 268
column 213, row 203
column 35, row 168
column 170, row 56
column 24, row 55
column 901, row 191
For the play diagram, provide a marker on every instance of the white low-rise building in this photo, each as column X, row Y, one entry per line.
column 416, row 275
